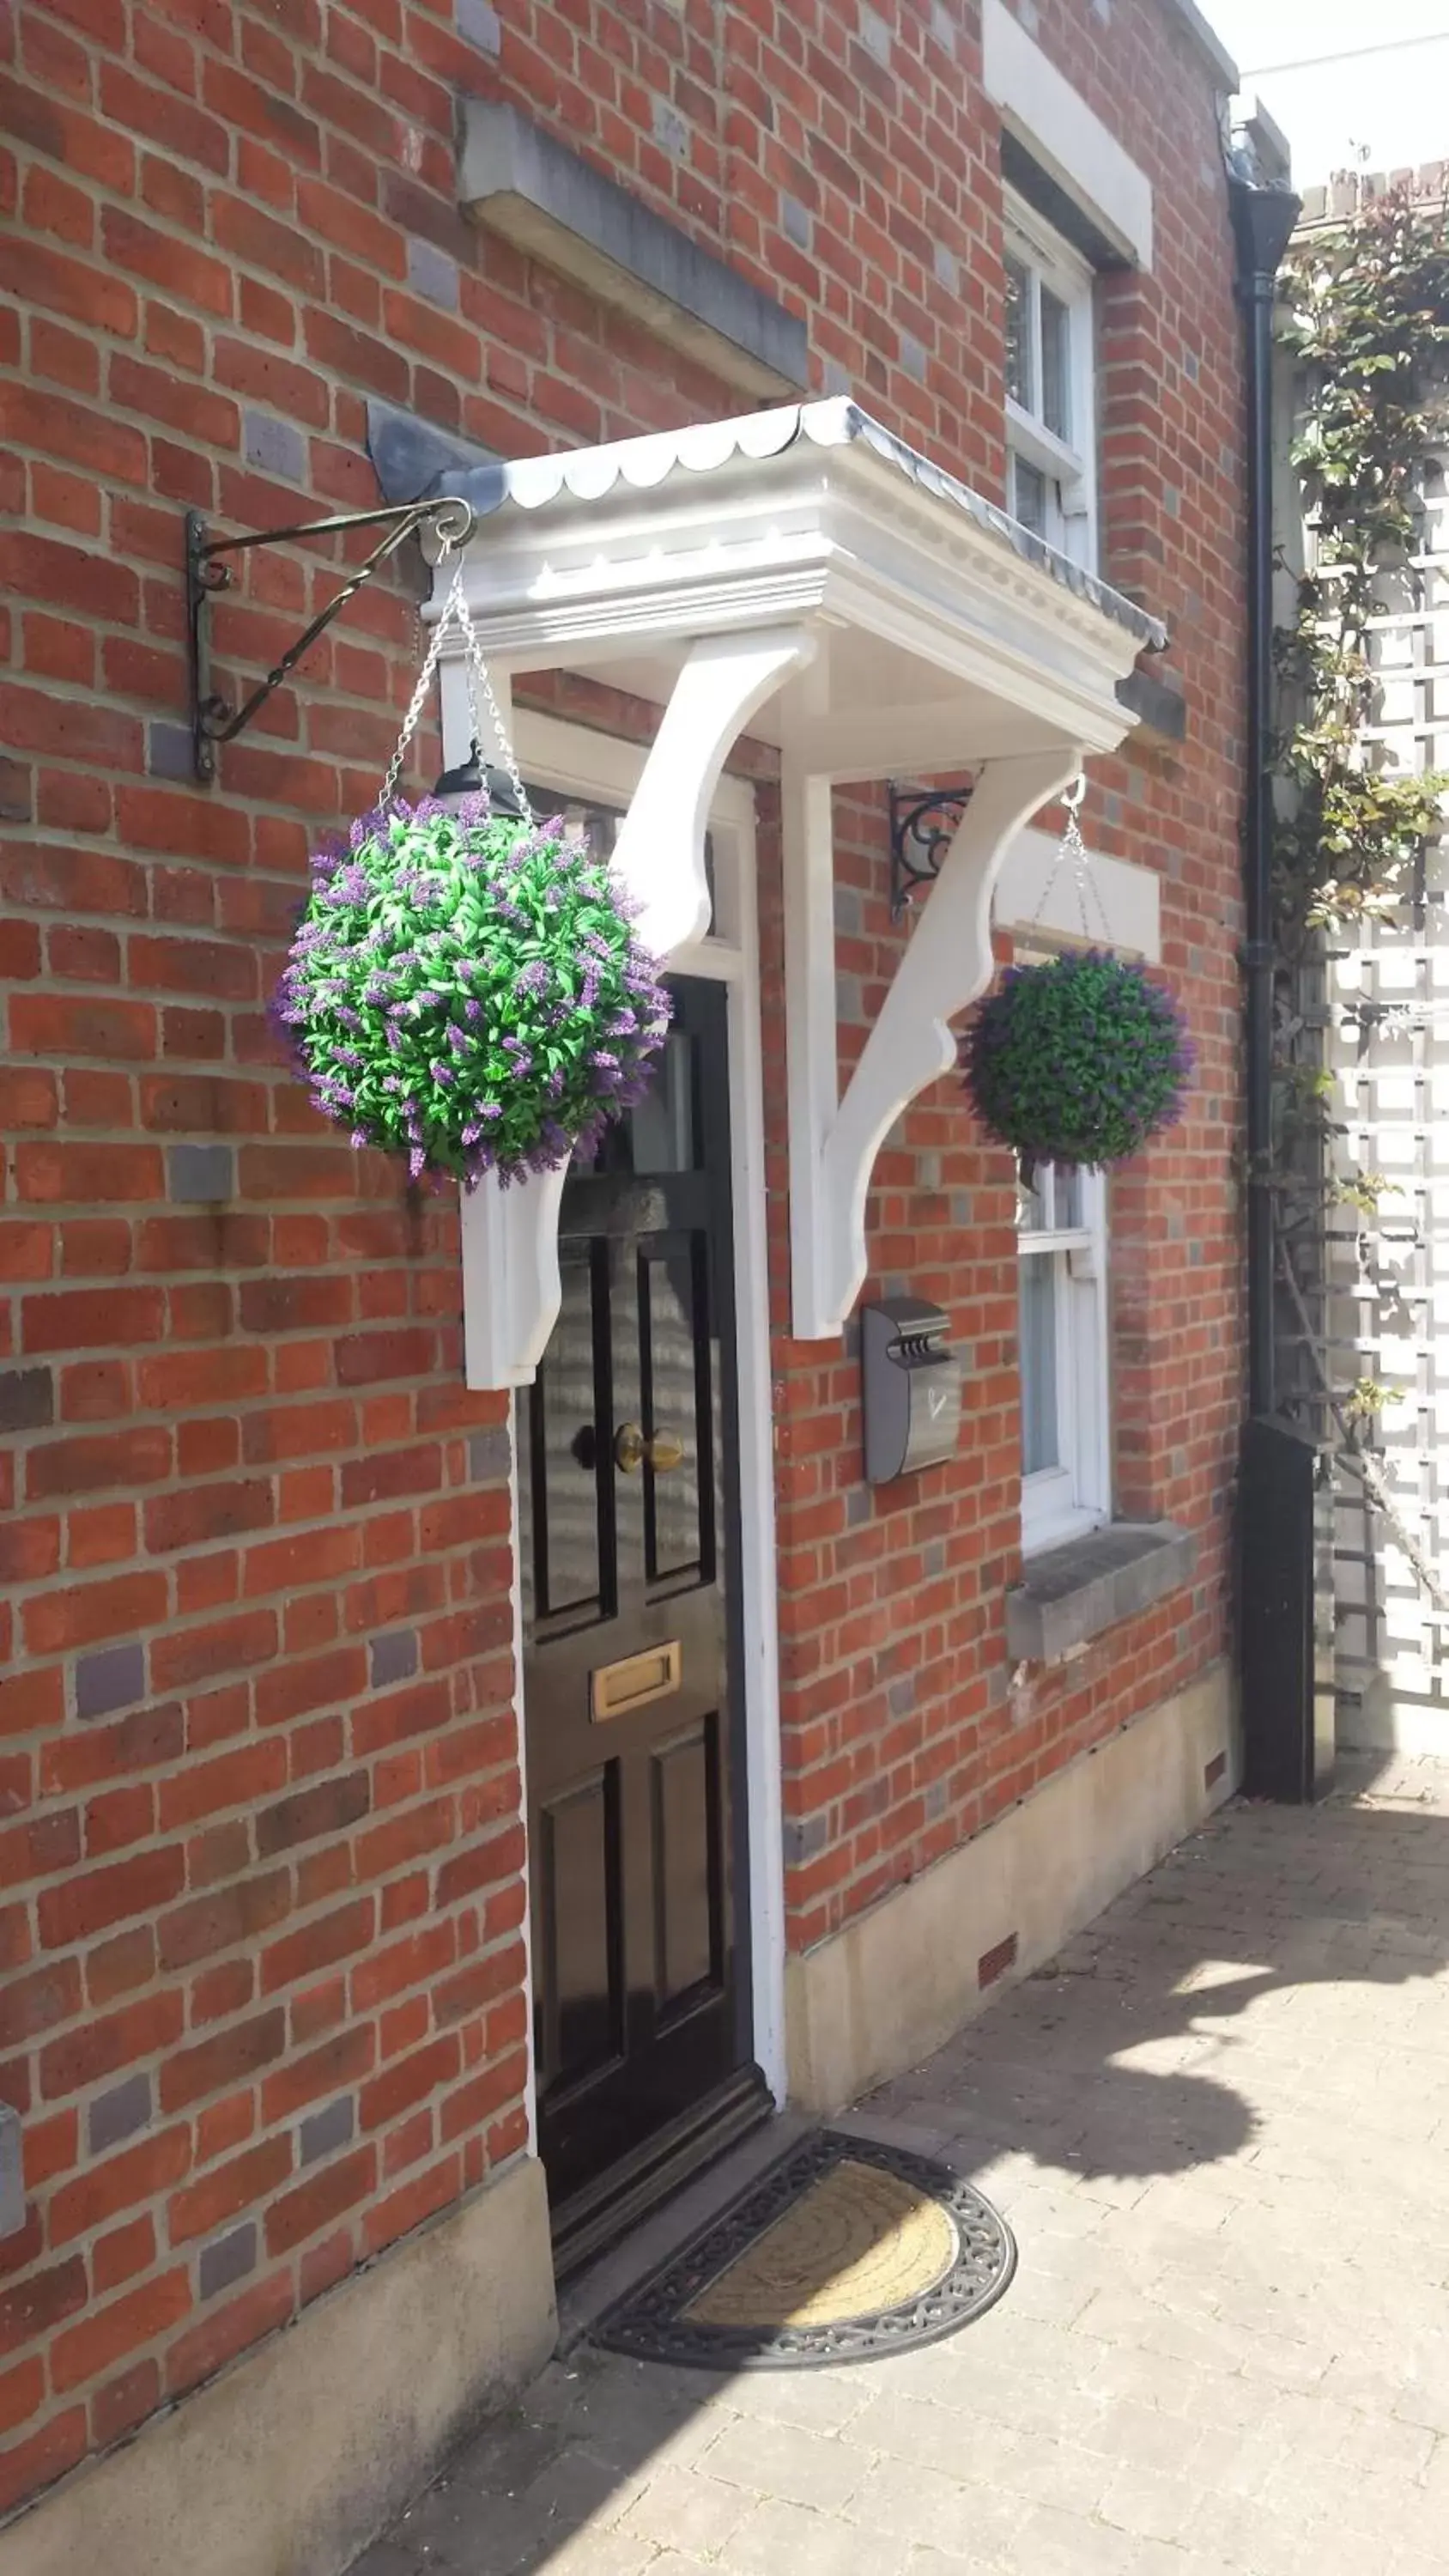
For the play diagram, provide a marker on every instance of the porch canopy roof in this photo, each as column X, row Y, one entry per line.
column 802, row 575
column 940, row 625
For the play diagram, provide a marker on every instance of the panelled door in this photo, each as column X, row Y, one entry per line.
column 626, row 1450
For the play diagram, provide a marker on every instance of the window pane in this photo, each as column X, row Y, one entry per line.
column 1018, row 333
column 661, row 1126
column 1029, row 496
column 1040, row 1440
column 1055, row 360
column 1051, row 1202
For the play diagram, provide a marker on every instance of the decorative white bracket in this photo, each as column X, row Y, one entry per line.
column 834, row 1141
column 511, row 1286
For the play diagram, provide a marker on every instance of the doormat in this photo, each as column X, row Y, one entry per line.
column 843, row 2251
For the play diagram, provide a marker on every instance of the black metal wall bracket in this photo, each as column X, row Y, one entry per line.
column 923, row 825
column 212, row 720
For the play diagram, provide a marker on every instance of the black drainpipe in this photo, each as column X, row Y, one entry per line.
column 1287, row 1682
column 1263, row 219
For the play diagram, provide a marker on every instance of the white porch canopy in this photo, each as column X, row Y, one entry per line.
column 802, row 575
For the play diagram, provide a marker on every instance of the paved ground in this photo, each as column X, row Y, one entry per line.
column 1220, row 2128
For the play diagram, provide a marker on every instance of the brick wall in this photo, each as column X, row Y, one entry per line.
column 260, row 1854
column 904, row 1729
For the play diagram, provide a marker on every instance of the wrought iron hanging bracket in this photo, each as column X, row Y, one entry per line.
column 213, row 721
column 923, row 824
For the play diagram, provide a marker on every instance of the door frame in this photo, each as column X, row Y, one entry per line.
column 599, row 768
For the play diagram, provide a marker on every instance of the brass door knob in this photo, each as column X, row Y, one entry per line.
column 631, row 1450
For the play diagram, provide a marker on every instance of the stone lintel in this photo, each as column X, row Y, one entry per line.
column 524, row 184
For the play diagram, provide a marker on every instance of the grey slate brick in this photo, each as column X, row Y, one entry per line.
column 119, row 2113
column 17, row 792
column 432, row 273
column 488, row 1455
column 479, row 25
column 948, row 268
column 114, row 1677
column 795, row 222
column 393, row 1656
column 324, row 2130
column 200, row 1172
column 875, row 35
column 913, row 357
column 274, row 446
column 12, row 2176
column 170, row 752
column 804, row 1836
column 670, row 130
column 27, row 1399
column 229, row 2258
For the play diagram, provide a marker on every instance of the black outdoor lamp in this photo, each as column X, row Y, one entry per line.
column 474, row 776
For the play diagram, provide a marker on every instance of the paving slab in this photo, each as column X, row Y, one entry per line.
column 1219, row 2126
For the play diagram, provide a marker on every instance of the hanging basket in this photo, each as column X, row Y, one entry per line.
column 468, row 990
column 466, row 987
column 1077, row 1061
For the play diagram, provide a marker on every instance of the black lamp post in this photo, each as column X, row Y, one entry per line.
column 474, row 777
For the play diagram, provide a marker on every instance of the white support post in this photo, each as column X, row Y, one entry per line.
column 511, row 1286
column 807, row 849
column 947, row 965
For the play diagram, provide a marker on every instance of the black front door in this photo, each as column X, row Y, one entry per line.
column 626, row 1453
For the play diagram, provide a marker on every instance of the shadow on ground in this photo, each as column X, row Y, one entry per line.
column 1191, row 2023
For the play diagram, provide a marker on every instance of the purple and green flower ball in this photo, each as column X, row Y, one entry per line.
column 469, row 991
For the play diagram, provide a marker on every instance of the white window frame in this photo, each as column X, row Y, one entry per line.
column 1062, row 1502
column 1069, row 464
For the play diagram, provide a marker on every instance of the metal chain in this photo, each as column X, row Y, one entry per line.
column 476, row 669
column 425, row 681
column 455, row 612
column 1073, row 849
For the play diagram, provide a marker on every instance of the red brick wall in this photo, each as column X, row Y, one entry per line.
column 260, row 1856
column 904, row 1729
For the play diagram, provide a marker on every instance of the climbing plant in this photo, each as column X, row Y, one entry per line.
column 1368, row 325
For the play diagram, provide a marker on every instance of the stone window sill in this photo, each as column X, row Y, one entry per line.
column 1070, row 1594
